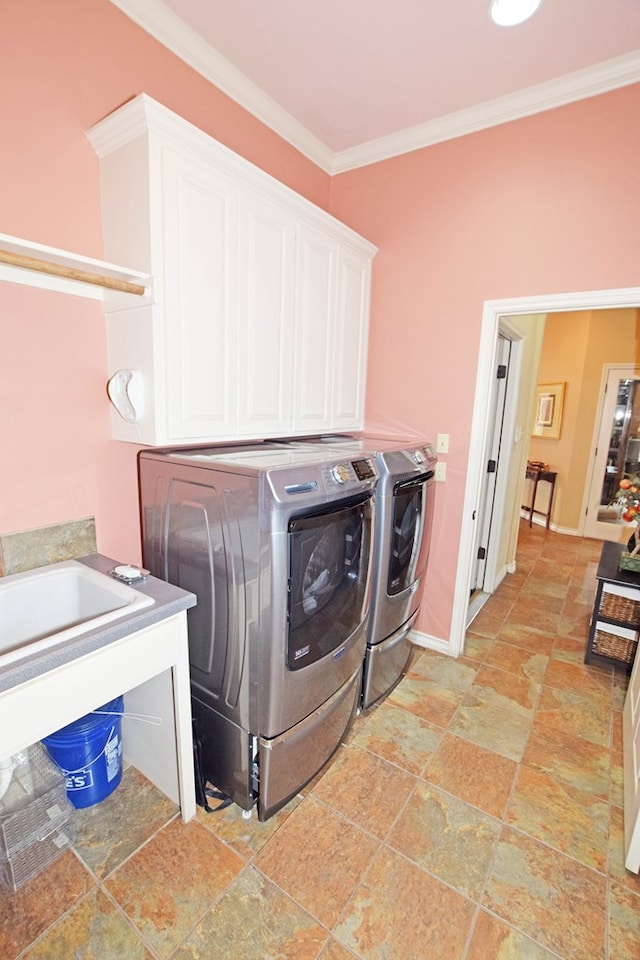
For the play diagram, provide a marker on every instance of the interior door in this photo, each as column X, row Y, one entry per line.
column 615, row 450
column 487, row 493
column 631, row 741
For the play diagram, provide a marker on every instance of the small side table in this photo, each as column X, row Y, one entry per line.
column 533, row 473
column 615, row 623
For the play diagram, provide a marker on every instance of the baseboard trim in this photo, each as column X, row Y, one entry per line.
column 553, row 527
column 430, row 643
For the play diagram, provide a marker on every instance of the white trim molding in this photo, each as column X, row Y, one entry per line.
column 428, row 642
column 174, row 34
column 619, row 72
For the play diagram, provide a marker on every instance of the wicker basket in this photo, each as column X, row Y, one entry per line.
column 613, row 646
column 619, row 608
column 629, row 562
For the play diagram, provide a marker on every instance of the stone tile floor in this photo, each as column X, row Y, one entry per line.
column 475, row 814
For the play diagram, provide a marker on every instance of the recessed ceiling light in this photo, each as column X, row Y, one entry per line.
column 507, row 13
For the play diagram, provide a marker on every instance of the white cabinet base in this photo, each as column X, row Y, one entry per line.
column 153, row 664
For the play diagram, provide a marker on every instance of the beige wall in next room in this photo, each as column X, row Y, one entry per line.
column 575, row 349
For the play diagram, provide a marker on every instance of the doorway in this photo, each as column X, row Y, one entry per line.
column 493, row 313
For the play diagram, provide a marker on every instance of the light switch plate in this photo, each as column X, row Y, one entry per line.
column 441, row 472
column 442, row 444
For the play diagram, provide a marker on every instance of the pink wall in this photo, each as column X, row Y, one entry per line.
column 65, row 65
column 545, row 204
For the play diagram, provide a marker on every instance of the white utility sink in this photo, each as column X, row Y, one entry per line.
column 45, row 606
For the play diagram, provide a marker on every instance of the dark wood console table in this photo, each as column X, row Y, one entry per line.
column 536, row 474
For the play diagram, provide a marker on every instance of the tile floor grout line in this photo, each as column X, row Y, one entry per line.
column 139, row 934
column 65, row 913
column 133, row 853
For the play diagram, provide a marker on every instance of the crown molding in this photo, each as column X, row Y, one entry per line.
column 173, row 33
column 619, row 72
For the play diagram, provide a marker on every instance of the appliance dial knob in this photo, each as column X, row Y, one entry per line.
column 341, row 473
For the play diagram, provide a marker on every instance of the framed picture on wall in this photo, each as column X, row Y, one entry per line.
column 548, row 413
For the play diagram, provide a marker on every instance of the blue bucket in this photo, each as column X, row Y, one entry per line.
column 89, row 753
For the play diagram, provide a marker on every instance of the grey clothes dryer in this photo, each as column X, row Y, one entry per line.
column 404, row 518
column 276, row 544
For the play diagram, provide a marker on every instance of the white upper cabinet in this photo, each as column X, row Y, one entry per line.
column 258, row 323
column 265, row 349
column 315, row 329
column 350, row 346
column 197, row 311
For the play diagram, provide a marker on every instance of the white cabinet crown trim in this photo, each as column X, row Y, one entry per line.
column 143, row 115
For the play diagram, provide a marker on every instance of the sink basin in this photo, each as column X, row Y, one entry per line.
column 45, row 606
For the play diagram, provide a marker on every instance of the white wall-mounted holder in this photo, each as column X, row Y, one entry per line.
column 126, row 392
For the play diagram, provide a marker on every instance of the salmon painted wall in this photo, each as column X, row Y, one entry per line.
column 543, row 205
column 64, row 66
column 547, row 204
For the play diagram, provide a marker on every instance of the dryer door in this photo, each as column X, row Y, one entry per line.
column 410, row 532
column 329, row 554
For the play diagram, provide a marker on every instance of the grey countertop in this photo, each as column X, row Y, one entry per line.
column 168, row 600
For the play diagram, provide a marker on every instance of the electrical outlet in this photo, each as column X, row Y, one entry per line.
column 441, row 472
column 443, row 443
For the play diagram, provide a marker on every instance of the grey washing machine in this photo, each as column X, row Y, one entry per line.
column 276, row 543
column 404, row 519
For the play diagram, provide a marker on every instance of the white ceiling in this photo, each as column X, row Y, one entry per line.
column 349, row 82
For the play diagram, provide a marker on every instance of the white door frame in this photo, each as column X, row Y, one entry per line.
column 493, row 311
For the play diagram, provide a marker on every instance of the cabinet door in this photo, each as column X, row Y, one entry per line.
column 265, row 317
column 197, row 304
column 314, row 330
column 350, row 342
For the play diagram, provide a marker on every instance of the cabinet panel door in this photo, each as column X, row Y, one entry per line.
column 314, row 330
column 352, row 325
column 265, row 319
column 199, row 301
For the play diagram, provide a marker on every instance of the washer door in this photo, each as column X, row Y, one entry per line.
column 329, row 553
column 410, row 532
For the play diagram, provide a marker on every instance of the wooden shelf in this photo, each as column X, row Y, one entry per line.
column 37, row 265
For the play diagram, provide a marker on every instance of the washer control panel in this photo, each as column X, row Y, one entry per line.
column 313, row 481
column 364, row 469
column 352, row 470
column 341, row 473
